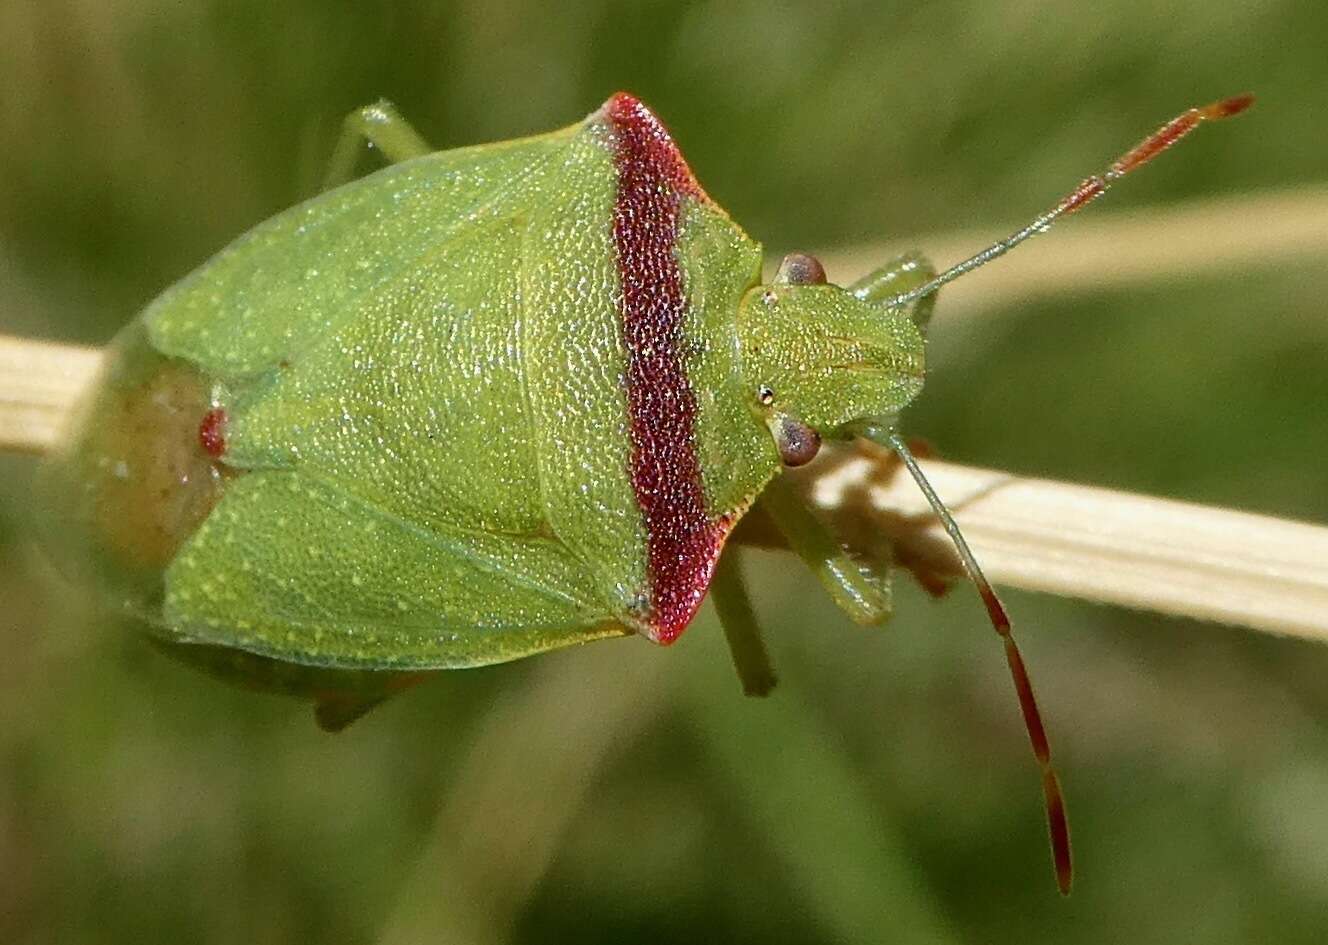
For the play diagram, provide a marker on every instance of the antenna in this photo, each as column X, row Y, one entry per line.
column 1088, row 190
column 1058, row 825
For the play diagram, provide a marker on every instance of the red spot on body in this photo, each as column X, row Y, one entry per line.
column 683, row 540
column 212, row 432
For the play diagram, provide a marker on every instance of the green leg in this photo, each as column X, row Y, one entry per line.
column 736, row 615
column 896, row 277
column 380, row 126
column 862, row 594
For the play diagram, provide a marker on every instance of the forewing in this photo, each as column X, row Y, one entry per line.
column 575, row 371
column 290, row 566
column 295, row 277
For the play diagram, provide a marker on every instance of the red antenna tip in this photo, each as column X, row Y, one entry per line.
column 1229, row 106
column 1059, row 828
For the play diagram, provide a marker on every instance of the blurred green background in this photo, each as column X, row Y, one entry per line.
column 625, row 793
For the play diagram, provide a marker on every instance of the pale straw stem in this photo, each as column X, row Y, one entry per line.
column 1114, row 547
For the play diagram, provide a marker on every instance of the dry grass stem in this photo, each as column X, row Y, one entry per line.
column 39, row 383
column 1114, row 547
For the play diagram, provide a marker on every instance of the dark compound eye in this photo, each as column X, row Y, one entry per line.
column 801, row 269
column 765, row 395
column 797, row 443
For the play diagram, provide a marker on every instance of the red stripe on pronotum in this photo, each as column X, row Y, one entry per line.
column 683, row 540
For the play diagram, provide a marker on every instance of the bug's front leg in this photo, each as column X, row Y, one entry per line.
column 738, row 618
column 861, row 592
column 900, row 275
column 380, row 126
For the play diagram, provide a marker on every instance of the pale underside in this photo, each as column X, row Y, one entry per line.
column 423, row 373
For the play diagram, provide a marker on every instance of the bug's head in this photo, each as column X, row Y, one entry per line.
column 815, row 358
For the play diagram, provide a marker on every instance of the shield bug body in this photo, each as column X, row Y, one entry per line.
column 488, row 402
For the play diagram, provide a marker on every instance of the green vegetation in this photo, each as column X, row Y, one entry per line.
column 622, row 793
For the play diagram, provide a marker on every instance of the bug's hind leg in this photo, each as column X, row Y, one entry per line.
column 379, row 126
column 900, row 275
column 738, row 618
column 340, row 696
column 861, row 591
column 336, row 708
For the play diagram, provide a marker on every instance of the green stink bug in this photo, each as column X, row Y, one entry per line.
column 492, row 401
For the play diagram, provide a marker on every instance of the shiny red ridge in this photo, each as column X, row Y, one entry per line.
column 212, row 432
column 683, row 539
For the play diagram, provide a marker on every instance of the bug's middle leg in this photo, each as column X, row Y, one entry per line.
column 380, row 126
column 861, row 591
column 738, row 618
